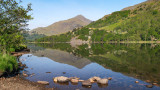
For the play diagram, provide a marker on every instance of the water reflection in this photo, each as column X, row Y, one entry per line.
column 141, row 61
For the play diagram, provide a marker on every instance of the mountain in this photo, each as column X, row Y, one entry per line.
column 136, row 23
column 63, row 26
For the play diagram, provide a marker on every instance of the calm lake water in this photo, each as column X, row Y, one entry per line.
column 125, row 63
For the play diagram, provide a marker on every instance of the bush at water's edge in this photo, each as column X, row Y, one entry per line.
column 8, row 63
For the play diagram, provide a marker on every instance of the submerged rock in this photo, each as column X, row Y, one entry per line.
column 43, row 82
column 103, row 81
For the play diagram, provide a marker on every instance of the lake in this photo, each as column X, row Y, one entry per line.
column 125, row 63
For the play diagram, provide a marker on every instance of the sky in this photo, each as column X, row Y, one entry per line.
column 47, row 12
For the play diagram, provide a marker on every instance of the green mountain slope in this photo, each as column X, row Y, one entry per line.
column 136, row 23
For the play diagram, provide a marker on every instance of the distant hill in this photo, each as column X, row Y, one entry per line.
column 63, row 26
column 136, row 23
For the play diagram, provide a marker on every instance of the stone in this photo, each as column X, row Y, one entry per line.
column 96, row 78
column 64, row 72
column 154, row 83
column 25, row 75
column 43, row 82
column 86, row 83
column 148, row 81
column 136, row 81
column 91, row 80
column 74, row 80
column 109, row 78
column 149, row 86
column 55, row 79
column 61, row 79
column 81, row 80
column 48, row 72
column 103, row 81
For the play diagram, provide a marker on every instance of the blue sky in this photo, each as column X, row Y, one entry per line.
column 46, row 12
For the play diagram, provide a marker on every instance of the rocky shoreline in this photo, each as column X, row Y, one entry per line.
column 15, row 81
column 19, row 83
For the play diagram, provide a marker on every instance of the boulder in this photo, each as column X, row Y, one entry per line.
column 74, row 80
column 61, row 79
column 103, row 81
column 55, row 79
column 91, row 80
column 43, row 82
column 86, row 83
column 96, row 78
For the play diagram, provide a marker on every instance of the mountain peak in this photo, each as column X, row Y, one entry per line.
column 63, row 26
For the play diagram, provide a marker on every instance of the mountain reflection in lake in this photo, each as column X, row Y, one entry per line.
column 125, row 63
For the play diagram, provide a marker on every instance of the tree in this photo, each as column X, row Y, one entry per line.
column 13, row 19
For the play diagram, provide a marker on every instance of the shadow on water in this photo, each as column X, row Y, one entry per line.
column 126, row 63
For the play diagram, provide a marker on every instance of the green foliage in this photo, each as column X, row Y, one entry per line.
column 8, row 63
column 56, row 38
column 32, row 37
column 13, row 19
column 111, row 19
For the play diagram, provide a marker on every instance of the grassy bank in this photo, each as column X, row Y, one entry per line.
column 8, row 63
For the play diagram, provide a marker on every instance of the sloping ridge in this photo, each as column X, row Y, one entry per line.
column 63, row 26
column 63, row 57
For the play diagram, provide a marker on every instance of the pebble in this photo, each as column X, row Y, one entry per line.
column 136, row 81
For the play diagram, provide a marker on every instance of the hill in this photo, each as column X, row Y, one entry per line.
column 136, row 23
column 63, row 26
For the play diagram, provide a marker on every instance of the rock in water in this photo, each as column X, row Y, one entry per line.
column 43, row 82
column 91, row 80
column 81, row 80
column 96, row 78
column 74, row 80
column 136, row 81
column 62, row 79
column 86, row 83
column 103, row 81
column 55, row 79
column 25, row 75
column 149, row 86
column 109, row 78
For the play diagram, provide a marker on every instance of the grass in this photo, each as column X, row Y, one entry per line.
column 8, row 63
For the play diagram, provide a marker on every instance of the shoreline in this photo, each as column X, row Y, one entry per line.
column 110, row 42
column 16, row 80
column 19, row 83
